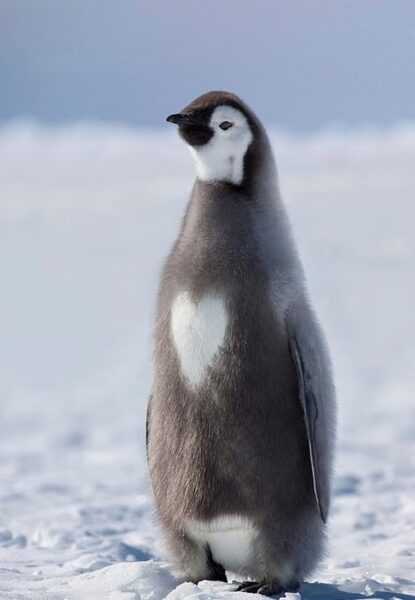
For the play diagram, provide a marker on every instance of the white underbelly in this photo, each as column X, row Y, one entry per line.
column 231, row 540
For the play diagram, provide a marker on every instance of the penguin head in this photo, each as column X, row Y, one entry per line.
column 220, row 131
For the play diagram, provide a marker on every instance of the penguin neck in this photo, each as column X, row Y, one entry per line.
column 211, row 200
column 219, row 208
column 258, row 187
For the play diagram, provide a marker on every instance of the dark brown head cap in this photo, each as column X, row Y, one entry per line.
column 200, row 110
column 211, row 100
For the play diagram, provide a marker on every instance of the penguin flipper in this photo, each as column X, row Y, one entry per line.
column 311, row 416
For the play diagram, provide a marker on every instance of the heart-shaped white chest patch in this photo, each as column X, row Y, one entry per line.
column 198, row 332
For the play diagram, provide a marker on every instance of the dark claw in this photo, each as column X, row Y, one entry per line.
column 252, row 589
column 244, row 585
column 271, row 588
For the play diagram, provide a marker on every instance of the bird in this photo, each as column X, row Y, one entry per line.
column 241, row 418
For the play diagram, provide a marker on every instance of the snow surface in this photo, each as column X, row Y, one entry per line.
column 87, row 214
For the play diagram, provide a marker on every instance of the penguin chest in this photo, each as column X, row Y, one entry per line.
column 198, row 332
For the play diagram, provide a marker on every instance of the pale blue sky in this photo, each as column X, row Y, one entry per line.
column 301, row 64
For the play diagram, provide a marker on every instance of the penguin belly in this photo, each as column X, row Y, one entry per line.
column 230, row 540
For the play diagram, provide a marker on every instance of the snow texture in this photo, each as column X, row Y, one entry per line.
column 87, row 214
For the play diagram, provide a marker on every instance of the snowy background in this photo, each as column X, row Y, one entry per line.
column 93, row 185
column 87, row 213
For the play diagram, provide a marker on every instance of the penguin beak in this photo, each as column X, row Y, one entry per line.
column 181, row 120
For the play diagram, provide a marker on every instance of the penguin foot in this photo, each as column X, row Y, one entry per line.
column 269, row 588
column 217, row 572
column 243, row 585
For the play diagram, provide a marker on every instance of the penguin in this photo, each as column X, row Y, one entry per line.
column 242, row 411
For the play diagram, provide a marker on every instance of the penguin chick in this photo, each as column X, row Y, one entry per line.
column 241, row 418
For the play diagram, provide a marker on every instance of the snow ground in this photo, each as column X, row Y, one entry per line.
column 87, row 214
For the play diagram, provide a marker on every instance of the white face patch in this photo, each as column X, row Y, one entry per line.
column 231, row 540
column 198, row 333
column 222, row 158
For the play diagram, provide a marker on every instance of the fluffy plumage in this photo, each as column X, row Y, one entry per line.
column 250, row 437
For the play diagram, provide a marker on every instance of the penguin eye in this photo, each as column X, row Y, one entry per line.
column 225, row 125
